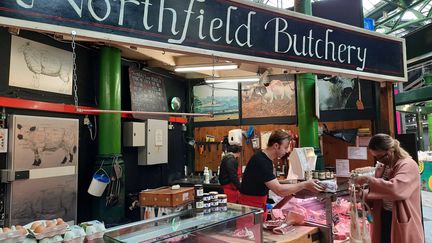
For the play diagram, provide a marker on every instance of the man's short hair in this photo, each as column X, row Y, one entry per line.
column 234, row 148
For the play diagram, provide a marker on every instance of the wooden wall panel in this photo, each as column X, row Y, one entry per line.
column 337, row 149
column 348, row 124
column 212, row 158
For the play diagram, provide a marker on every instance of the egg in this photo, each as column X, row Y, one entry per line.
column 22, row 231
column 50, row 224
column 90, row 230
column 35, row 225
column 60, row 221
column 100, row 227
column 6, row 230
column 46, row 240
column 57, row 238
column 18, row 227
column 69, row 235
column 40, row 229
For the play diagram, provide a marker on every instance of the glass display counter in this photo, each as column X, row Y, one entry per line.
column 326, row 210
column 237, row 224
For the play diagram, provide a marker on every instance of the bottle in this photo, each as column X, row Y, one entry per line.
column 206, row 175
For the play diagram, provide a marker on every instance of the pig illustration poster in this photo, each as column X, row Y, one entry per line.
column 41, row 67
column 275, row 99
column 43, row 142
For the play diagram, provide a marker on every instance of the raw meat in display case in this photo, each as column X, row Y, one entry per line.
column 329, row 211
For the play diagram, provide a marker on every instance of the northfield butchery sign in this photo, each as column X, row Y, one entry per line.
column 234, row 29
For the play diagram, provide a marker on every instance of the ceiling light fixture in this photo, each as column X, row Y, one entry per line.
column 207, row 67
column 232, row 79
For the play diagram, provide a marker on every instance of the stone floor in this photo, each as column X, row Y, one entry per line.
column 427, row 214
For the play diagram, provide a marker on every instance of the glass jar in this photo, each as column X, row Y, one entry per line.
column 199, row 190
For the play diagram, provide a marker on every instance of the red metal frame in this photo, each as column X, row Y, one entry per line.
column 62, row 108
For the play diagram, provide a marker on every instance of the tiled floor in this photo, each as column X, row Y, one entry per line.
column 427, row 214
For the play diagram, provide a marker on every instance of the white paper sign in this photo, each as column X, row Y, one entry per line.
column 159, row 137
column 264, row 139
column 357, row 153
column 342, row 167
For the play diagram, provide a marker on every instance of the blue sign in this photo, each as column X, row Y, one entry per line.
column 232, row 29
column 369, row 24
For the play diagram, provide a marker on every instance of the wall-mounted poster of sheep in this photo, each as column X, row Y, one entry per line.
column 40, row 67
column 273, row 99
column 44, row 198
column 219, row 99
column 43, row 142
column 342, row 93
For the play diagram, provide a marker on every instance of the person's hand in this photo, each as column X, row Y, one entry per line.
column 361, row 180
column 311, row 185
column 380, row 167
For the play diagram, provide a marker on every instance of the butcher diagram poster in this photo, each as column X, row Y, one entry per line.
column 40, row 67
column 43, row 142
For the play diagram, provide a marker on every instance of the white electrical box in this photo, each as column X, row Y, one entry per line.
column 134, row 134
column 3, row 140
column 156, row 149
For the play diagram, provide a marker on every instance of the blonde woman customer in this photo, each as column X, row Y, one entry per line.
column 394, row 193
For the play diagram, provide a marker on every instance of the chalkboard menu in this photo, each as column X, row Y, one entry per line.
column 147, row 93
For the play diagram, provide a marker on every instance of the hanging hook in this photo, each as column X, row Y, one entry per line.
column 163, row 52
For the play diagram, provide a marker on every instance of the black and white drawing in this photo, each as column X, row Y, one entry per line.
column 42, row 142
column 334, row 92
column 342, row 93
column 41, row 67
column 45, row 198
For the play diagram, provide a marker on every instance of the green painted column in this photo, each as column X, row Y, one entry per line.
column 110, row 99
column 110, row 207
column 307, row 121
column 428, row 80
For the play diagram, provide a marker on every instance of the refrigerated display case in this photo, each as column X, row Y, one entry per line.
column 329, row 211
column 238, row 224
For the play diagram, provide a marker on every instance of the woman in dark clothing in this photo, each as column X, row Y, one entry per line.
column 230, row 172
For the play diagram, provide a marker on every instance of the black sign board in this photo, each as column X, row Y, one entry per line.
column 147, row 92
column 227, row 28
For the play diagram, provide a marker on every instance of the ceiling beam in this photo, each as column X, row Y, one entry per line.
column 414, row 96
column 385, row 20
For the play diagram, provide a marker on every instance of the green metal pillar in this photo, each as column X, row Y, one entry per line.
column 307, row 121
column 110, row 99
column 110, row 208
column 428, row 80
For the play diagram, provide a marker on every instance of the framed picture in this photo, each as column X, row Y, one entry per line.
column 275, row 99
column 338, row 97
column 219, row 99
column 47, row 147
column 40, row 67
column 43, row 142
column 44, row 198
